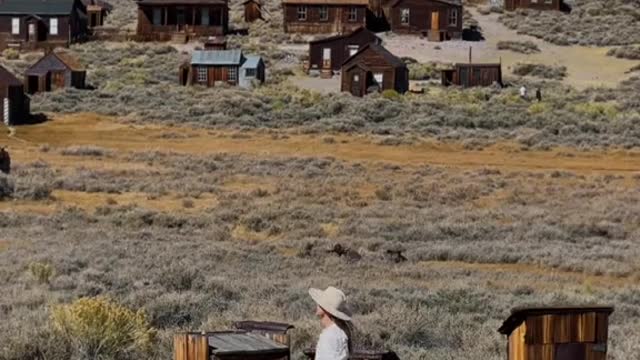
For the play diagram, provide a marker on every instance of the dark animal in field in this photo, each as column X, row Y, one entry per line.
column 5, row 161
column 395, row 256
column 346, row 252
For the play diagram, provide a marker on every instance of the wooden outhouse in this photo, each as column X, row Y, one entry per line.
column 34, row 24
column 252, row 10
column 164, row 20
column 56, row 70
column 373, row 68
column 557, row 333
column 215, row 43
column 324, row 16
column 439, row 20
column 330, row 53
column 215, row 67
column 97, row 11
column 14, row 104
column 511, row 5
column 469, row 75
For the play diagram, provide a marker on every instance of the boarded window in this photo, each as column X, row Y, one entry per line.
column 203, row 74
column 157, row 16
column 204, row 16
column 324, row 13
column 15, row 26
column 233, row 74
column 404, row 16
column 250, row 73
column 453, row 17
column 352, row 14
column 53, row 26
column 302, row 13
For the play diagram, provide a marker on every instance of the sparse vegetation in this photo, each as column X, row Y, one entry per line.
column 626, row 52
column 524, row 47
column 540, row 70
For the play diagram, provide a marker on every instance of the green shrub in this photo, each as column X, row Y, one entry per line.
column 11, row 54
column 391, row 94
column 41, row 272
column 540, row 70
column 595, row 109
column 98, row 328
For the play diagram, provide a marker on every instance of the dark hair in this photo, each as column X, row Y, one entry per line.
column 347, row 327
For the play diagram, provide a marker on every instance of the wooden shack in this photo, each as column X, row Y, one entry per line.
column 97, row 11
column 324, row 16
column 557, row 333
column 14, row 104
column 439, row 20
column 470, row 75
column 30, row 24
column 373, row 68
column 56, row 70
column 330, row 53
column 511, row 5
column 216, row 67
column 254, row 341
column 252, row 10
column 183, row 20
column 215, row 43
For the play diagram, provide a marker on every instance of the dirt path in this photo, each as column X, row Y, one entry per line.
column 587, row 66
column 87, row 129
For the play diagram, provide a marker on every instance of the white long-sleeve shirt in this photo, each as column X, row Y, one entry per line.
column 333, row 344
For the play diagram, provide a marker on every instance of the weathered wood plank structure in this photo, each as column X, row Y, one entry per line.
column 439, row 20
column 5, row 162
column 324, row 16
column 215, row 67
column 56, row 70
column 557, row 333
column 34, row 24
column 254, row 340
column 252, row 10
column 97, row 11
column 330, row 53
column 163, row 20
column 374, row 68
column 511, row 5
column 470, row 75
column 14, row 104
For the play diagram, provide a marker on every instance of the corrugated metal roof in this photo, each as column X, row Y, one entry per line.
column 251, row 62
column 217, row 57
column 228, row 343
column 40, row 7
column 327, row 2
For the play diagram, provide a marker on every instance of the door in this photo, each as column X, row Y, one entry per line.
column 5, row 111
column 464, row 76
column 57, row 80
column 326, row 58
column 180, row 18
column 435, row 21
column 356, row 84
column 31, row 33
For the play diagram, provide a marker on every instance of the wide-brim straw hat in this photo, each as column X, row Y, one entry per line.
column 333, row 301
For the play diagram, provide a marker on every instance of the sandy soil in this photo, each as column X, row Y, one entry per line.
column 587, row 66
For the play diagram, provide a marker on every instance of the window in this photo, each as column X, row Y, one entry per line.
column 203, row 74
column 378, row 78
column 353, row 49
column 15, row 26
column 326, row 54
column 324, row 13
column 404, row 16
column 204, row 16
column 453, row 17
column 302, row 13
column 250, row 72
column 233, row 74
column 352, row 14
column 217, row 17
column 53, row 26
column 157, row 16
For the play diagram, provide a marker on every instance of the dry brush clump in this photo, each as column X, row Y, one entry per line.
column 540, row 70
column 626, row 52
column 524, row 47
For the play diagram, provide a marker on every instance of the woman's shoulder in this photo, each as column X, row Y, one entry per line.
column 334, row 333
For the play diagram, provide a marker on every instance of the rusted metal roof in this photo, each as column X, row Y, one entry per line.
column 243, row 343
column 327, row 2
column 518, row 315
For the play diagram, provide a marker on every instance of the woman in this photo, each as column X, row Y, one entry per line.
column 335, row 340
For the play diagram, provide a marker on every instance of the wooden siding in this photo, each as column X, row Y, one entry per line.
column 469, row 75
column 215, row 74
column 18, row 105
column 339, row 49
column 420, row 17
column 511, row 5
column 190, row 347
column 337, row 21
column 367, row 63
column 516, row 348
column 147, row 30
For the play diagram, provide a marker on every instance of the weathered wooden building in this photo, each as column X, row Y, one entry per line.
column 374, row 68
column 324, row 16
column 41, row 24
column 511, row 5
column 97, row 11
column 252, row 10
column 163, row 20
column 215, row 43
column 5, row 163
column 14, row 104
column 469, row 75
column 254, row 341
column 439, row 20
column 216, row 67
column 56, row 70
column 330, row 53
column 557, row 333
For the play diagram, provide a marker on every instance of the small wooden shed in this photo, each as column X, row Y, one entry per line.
column 469, row 75
column 97, row 11
column 252, row 10
column 557, row 333
column 54, row 71
column 330, row 53
column 374, row 68
column 14, row 104
column 215, row 43
column 215, row 67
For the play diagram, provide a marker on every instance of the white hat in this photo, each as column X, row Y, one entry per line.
column 333, row 301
